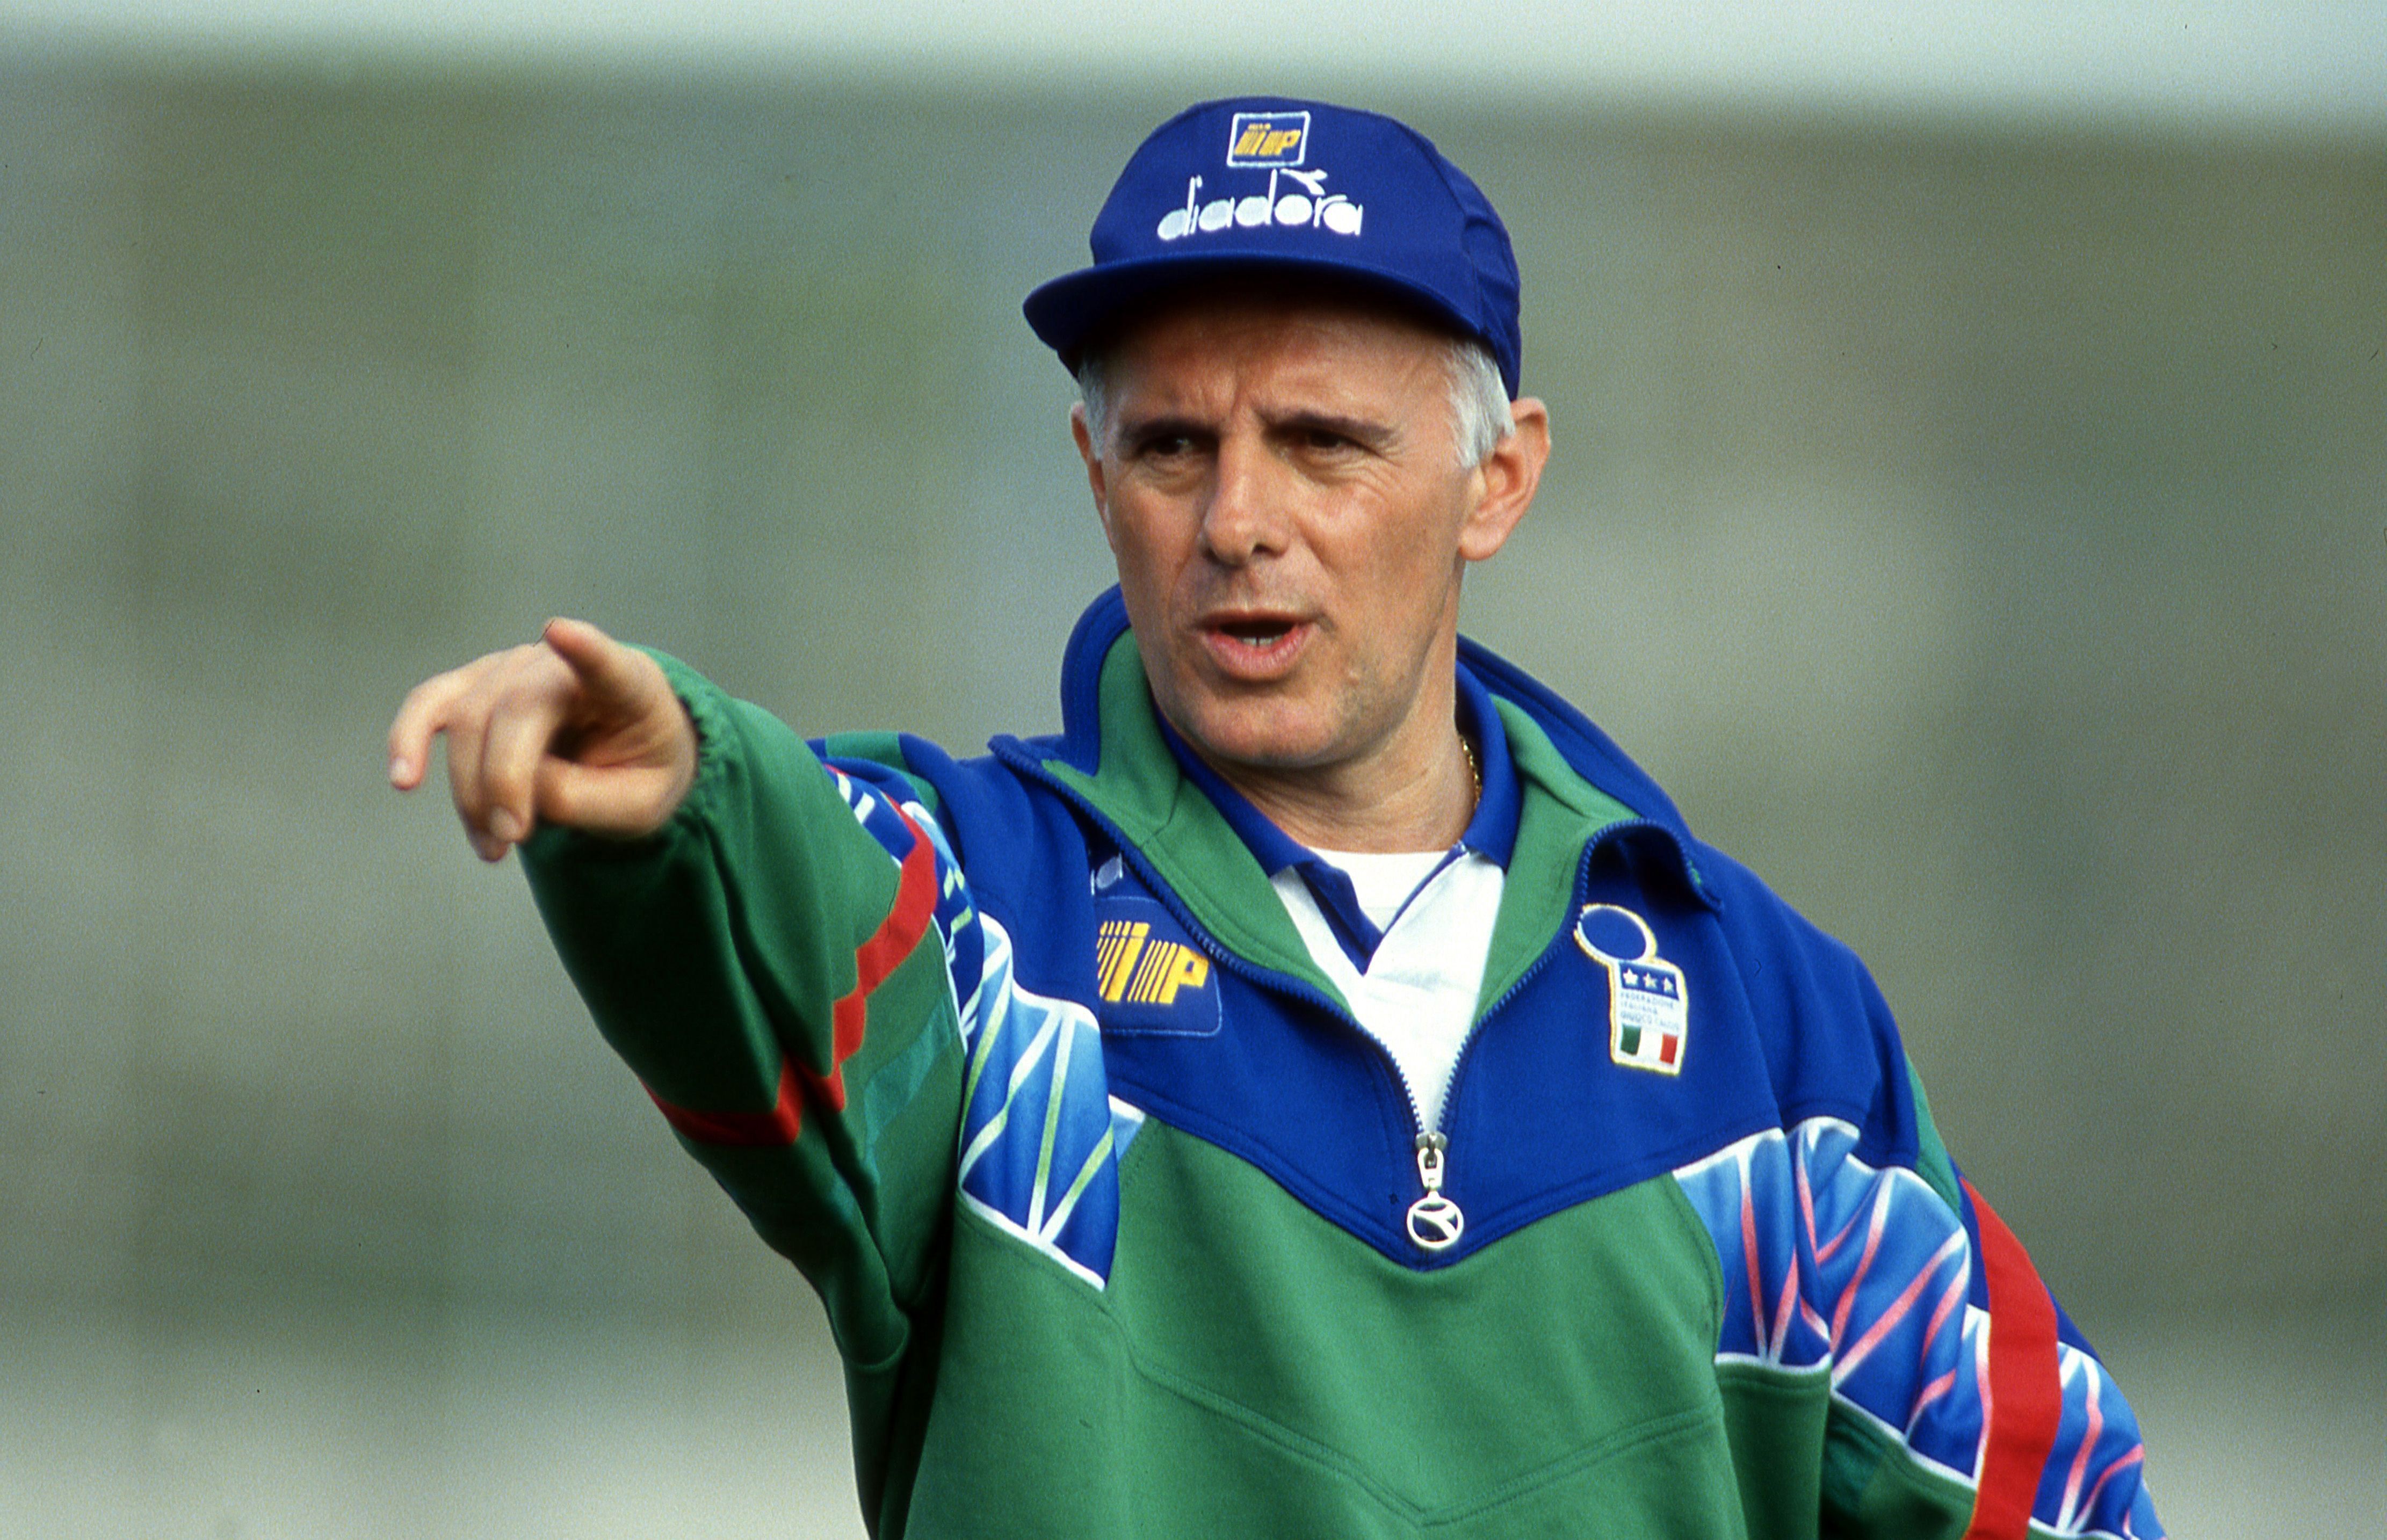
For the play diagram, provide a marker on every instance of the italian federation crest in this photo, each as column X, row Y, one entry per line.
column 1649, row 1004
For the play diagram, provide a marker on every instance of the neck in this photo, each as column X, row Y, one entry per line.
column 1420, row 799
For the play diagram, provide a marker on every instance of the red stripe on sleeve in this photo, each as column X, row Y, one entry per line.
column 778, row 1126
column 2023, row 1400
column 916, row 904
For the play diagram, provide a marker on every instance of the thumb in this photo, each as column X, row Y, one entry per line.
column 627, row 801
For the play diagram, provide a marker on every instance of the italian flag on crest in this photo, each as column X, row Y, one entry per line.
column 1649, row 1004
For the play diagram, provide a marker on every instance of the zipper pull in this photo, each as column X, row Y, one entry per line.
column 1435, row 1221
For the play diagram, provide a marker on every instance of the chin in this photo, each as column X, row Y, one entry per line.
column 1244, row 732
column 1263, row 746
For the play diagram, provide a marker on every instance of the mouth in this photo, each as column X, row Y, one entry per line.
column 1257, row 645
column 1257, row 633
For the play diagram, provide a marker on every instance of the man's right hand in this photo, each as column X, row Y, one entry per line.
column 574, row 729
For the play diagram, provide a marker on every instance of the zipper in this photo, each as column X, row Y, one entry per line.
column 1582, row 894
column 1433, row 1222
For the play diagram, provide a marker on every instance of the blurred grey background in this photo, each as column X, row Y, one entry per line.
column 1971, row 500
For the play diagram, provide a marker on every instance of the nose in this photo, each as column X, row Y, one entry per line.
column 1244, row 516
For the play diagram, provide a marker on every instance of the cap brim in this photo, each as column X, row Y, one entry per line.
column 1074, row 308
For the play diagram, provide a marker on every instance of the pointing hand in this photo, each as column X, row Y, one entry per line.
column 574, row 728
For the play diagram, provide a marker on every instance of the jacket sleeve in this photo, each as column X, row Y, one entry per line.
column 1950, row 1355
column 773, row 966
column 1951, row 1397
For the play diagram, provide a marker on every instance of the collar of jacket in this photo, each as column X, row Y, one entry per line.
column 1576, row 786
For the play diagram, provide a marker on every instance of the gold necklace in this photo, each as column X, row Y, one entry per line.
column 1474, row 772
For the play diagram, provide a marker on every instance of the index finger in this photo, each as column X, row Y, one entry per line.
column 609, row 671
column 422, row 715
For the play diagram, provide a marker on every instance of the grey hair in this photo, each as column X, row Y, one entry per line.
column 1094, row 380
column 1479, row 399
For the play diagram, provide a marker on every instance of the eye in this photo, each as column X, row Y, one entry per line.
column 1164, row 444
column 1329, row 438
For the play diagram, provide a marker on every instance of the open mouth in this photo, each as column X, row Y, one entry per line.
column 1256, row 646
column 1255, row 634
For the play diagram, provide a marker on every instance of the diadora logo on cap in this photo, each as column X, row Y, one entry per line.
column 1293, row 197
column 1268, row 139
column 1139, row 971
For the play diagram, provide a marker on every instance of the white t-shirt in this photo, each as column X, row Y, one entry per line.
column 1417, row 995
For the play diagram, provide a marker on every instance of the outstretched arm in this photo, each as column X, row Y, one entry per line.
column 777, row 949
column 573, row 730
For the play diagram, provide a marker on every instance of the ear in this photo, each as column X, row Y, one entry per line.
column 1506, row 480
column 1091, row 453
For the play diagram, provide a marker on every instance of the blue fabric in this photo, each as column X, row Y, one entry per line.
column 1243, row 188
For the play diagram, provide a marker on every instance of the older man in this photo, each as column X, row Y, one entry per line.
column 1326, row 1090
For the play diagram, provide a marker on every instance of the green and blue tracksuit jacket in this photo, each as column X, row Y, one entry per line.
column 1021, row 1061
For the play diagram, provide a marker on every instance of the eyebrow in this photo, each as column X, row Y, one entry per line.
column 1380, row 436
column 1372, row 432
column 1127, row 429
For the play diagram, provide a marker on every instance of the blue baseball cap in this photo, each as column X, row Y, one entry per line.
column 1258, row 185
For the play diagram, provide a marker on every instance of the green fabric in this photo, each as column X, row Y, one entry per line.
column 1284, row 1378
column 710, row 953
column 1809, row 1466
column 1873, row 1489
column 1559, row 814
column 1776, row 1420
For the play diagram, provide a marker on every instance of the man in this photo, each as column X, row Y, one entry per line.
column 1326, row 1090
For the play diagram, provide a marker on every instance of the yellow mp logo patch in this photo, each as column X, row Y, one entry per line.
column 1138, row 971
column 1268, row 138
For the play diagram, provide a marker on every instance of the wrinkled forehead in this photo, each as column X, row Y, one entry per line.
column 1221, row 356
column 1207, row 366
column 1219, row 314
